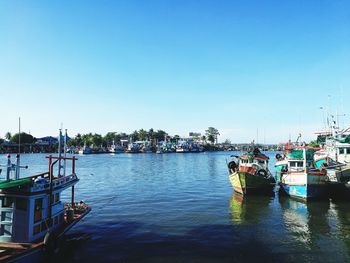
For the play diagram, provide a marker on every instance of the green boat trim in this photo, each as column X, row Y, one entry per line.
column 14, row 183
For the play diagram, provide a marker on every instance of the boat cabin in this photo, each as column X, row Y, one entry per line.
column 31, row 207
column 252, row 162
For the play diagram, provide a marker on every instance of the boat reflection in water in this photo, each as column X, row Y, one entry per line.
column 307, row 224
column 249, row 209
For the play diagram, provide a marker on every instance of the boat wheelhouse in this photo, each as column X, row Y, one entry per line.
column 33, row 217
column 299, row 177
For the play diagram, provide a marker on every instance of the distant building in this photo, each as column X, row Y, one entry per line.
column 47, row 141
column 194, row 134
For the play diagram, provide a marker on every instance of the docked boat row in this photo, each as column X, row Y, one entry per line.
column 182, row 146
column 302, row 172
column 33, row 216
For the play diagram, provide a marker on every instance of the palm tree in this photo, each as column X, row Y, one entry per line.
column 8, row 136
column 212, row 134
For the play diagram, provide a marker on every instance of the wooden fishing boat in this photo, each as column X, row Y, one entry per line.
column 249, row 174
column 33, row 217
column 299, row 178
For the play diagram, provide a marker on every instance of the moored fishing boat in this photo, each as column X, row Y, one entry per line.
column 334, row 158
column 182, row 147
column 299, row 178
column 249, row 173
column 34, row 219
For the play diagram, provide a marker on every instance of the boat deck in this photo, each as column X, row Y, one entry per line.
column 10, row 251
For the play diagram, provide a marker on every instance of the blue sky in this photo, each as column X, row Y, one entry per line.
column 180, row 66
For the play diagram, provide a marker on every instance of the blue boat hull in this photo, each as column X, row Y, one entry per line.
column 312, row 191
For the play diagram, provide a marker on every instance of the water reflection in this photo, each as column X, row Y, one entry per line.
column 306, row 223
column 248, row 209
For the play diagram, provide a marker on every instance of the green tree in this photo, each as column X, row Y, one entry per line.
column 134, row 136
column 97, row 140
column 8, row 136
column 227, row 142
column 151, row 134
column 212, row 134
column 160, row 135
column 25, row 138
column 142, row 135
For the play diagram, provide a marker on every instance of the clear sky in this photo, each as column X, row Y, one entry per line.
column 175, row 65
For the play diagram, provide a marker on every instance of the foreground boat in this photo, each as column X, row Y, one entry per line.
column 34, row 219
column 298, row 176
column 249, row 174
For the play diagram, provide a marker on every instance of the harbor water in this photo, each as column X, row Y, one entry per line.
column 181, row 208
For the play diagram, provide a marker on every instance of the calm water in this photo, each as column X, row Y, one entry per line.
column 181, row 208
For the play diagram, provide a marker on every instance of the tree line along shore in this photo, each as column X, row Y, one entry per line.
column 26, row 142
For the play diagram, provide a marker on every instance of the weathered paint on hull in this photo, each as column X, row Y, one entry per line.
column 306, row 191
column 245, row 183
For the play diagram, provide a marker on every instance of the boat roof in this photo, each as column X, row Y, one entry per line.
column 256, row 154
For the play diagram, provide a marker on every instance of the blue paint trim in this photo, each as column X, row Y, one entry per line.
column 305, row 191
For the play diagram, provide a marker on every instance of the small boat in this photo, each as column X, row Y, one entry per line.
column 34, row 219
column 85, row 150
column 249, row 173
column 133, row 148
column 182, row 147
column 116, row 148
column 145, row 146
column 298, row 176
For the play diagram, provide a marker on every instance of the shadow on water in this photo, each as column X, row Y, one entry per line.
column 125, row 243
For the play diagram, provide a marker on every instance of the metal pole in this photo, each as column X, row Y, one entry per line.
column 19, row 149
column 65, row 152
column 9, row 166
column 73, row 196
column 59, row 153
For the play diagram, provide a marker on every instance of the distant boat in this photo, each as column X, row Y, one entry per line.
column 85, row 150
column 133, row 148
column 334, row 158
column 116, row 148
column 249, row 173
column 145, row 146
column 182, row 147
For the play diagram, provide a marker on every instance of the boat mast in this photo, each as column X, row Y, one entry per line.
column 59, row 153
column 19, row 149
column 65, row 152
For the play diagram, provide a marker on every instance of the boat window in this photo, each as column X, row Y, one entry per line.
column 57, row 197
column 341, row 150
column 37, row 209
column 21, row 204
column 261, row 162
column 36, row 229
column 296, row 165
column 61, row 218
column 348, row 150
column 43, row 226
column 7, row 201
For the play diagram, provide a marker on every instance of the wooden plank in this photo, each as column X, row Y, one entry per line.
column 15, row 245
